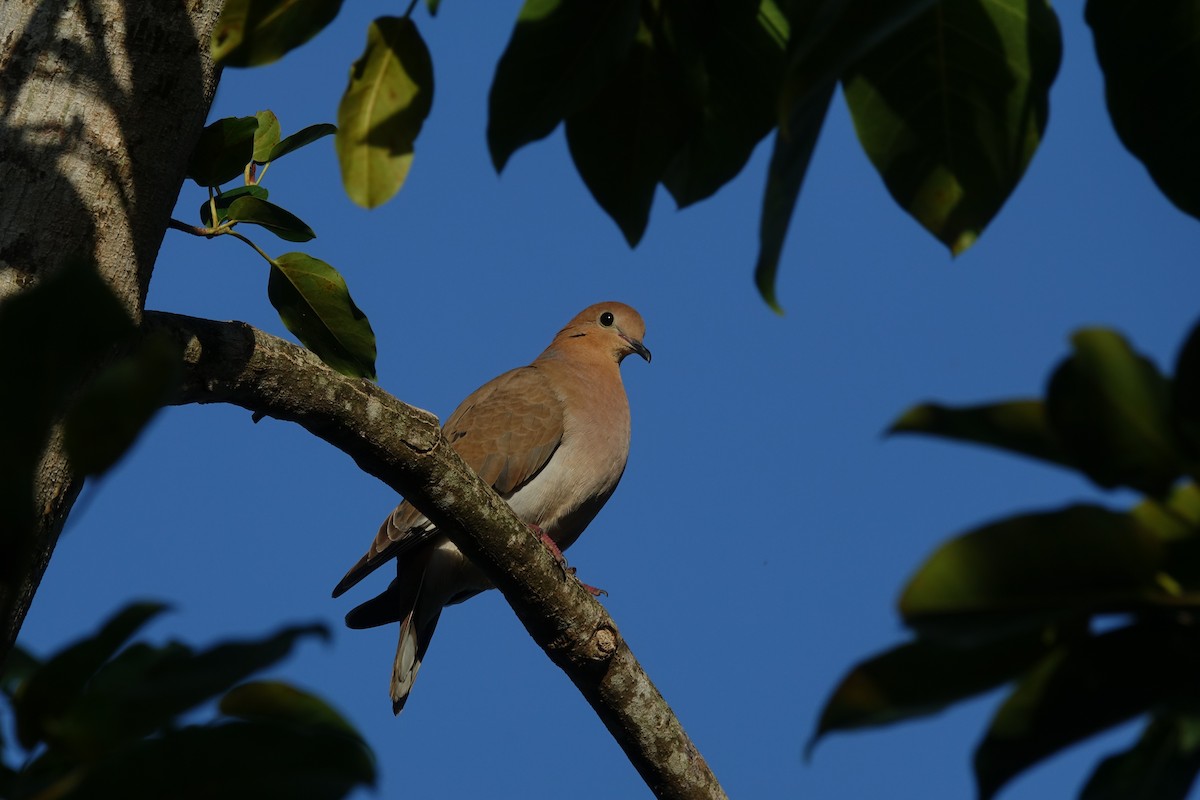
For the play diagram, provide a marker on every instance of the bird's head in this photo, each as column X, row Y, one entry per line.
column 612, row 328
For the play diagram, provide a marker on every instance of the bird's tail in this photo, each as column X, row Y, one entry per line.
column 416, row 630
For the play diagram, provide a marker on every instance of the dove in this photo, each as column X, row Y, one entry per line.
column 552, row 438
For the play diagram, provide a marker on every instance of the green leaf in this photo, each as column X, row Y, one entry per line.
column 1110, row 408
column 112, row 410
column 1150, row 56
column 624, row 139
column 432, row 5
column 223, row 151
column 1175, row 519
column 266, row 137
column 1024, row 572
column 278, row 221
column 301, row 138
column 1162, row 765
column 51, row 336
column 1018, row 426
column 789, row 162
column 314, row 303
column 1081, row 690
column 53, row 688
column 273, row 701
column 733, row 54
column 951, row 108
column 382, row 111
column 251, row 33
column 560, row 55
column 1185, row 394
column 922, row 678
column 225, row 199
column 829, row 36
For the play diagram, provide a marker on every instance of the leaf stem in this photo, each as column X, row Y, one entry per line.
column 257, row 249
column 412, row 5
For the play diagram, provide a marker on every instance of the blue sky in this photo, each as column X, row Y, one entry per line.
column 764, row 526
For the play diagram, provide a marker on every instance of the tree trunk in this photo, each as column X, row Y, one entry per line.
column 100, row 102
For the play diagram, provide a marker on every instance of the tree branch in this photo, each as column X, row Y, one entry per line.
column 231, row 362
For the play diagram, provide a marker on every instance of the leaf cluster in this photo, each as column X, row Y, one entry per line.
column 1089, row 613
column 107, row 717
column 950, row 98
column 311, row 297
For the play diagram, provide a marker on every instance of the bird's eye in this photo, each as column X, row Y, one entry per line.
column 606, row 319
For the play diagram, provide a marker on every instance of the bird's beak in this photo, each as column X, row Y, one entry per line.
column 638, row 347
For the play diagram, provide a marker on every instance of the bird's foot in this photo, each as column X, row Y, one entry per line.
column 562, row 560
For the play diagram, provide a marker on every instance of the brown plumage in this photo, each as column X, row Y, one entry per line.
column 551, row 438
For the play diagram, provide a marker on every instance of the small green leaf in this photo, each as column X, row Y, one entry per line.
column 1081, row 690
column 53, row 688
column 789, row 163
column 266, row 137
column 114, row 408
column 1110, row 408
column 223, row 151
column 924, row 677
column 1175, row 519
column 1150, row 57
column 278, row 221
column 432, row 5
column 951, row 108
column 560, row 55
column 273, row 701
column 1018, row 426
column 1024, row 572
column 382, row 111
column 1185, row 394
column 314, row 303
column 1162, row 765
column 251, row 33
column 226, row 198
column 301, row 138
column 623, row 140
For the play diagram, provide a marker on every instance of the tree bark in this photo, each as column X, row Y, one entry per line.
column 100, row 102
column 230, row 362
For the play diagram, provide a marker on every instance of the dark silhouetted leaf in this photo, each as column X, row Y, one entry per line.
column 561, row 53
column 223, row 151
column 382, row 111
column 266, row 137
column 1162, row 765
column 789, row 162
column 923, row 677
column 1176, row 518
column 951, row 107
column 273, row 701
column 624, row 139
column 18, row 665
column 1024, row 572
column 1185, row 395
column 53, row 688
column 732, row 54
column 432, row 5
column 1018, row 426
column 250, row 33
column 1111, row 410
column 113, row 408
column 225, row 199
column 829, row 36
column 314, row 303
column 301, row 138
column 1150, row 55
column 1081, row 690
column 51, row 336
column 278, row 221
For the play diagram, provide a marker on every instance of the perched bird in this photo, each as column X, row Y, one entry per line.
column 551, row 438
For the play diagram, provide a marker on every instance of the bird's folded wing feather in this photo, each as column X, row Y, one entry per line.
column 506, row 431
